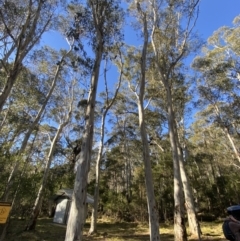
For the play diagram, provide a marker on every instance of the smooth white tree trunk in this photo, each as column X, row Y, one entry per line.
column 109, row 103
column 165, row 72
column 180, row 233
column 194, row 226
column 93, row 226
column 226, row 132
column 152, row 208
column 76, row 218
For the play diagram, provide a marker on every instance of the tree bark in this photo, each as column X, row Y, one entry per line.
column 93, row 226
column 236, row 153
column 225, row 130
column 194, row 226
column 152, row 209
column 76, row 219
column 165, row 72
column 180, row 233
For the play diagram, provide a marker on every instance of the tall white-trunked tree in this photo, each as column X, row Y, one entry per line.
column 101, row 20
column 140, row 60
column 152, row 210
column 218, row 85
column 173, row 22
column 107, row 105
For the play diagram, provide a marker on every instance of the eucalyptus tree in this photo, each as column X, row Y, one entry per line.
column 123, row 194
column 64, row 119
column 23, row 105
column 172, row 40
column 210, row 153
column 108, row 102
column 49, row 72
column 218, row 84
column 45, row 71
column 101, row 22
column 123, row 120
column 22, row 25
column 15, row 113
column 139, row 76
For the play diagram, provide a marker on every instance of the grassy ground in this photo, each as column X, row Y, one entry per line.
column 107, row 231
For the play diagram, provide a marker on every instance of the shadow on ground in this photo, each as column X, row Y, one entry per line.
column 47, row 231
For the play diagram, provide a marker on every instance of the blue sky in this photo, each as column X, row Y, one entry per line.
column 216, row 13
column 213, row 14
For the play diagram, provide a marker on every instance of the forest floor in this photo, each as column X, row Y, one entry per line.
column 107, row 231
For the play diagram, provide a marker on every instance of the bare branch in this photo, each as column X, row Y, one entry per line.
column 149, row 101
